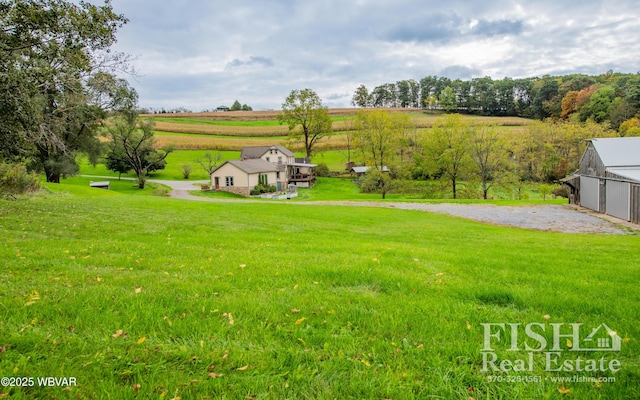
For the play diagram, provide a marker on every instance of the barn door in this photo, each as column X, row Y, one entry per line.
column 619, row 199
column 590, row 193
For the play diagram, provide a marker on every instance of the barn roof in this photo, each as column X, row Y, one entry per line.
column 628, row 173
column 618, row 152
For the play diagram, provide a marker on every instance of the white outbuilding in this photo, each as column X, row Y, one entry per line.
column 608, row 180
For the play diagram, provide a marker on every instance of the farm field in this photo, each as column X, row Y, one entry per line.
column 151, row 297
column 233, row 130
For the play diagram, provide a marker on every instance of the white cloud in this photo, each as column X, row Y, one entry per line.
column 200, row 54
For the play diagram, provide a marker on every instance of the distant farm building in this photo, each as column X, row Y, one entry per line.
column 361, row 170
column 608, row 180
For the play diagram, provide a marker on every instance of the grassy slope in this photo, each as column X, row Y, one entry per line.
column 326, row 302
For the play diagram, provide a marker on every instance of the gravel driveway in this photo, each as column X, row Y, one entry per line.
column 555, row 218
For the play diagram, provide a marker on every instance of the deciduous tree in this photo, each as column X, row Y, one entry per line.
column 448, row 149
column 448, row 101
column 361, row 97
column 50, row 105
column 379, row 135
column 210, row 163
column 488, row 154
column 132, row 142
column 307, row 118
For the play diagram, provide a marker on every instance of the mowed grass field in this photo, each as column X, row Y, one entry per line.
column 152, row 297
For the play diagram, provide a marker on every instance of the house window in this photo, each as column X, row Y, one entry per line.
column 263, row 179
column 279, row 160
column 278, row 175
column 229, row 180
column 268, row 159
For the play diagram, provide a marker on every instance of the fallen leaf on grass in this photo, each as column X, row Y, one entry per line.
column 242, row 368
column 213, row 375
column 301, row 320
column 569, row 343
column 118, row 333
column 136, row 387
column 99, row 279
column 33, row 297
column 547, row 317
column 294, row 311
column 141, row 340
column 564, row 390
column 138, row 290
column 468, row 325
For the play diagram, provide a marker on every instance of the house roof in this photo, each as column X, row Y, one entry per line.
column 253, row 166
column 618, row 152
column 259, row 151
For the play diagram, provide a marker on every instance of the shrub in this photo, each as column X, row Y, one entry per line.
column 323, row 170
column 186, row 170
column 561, row 191
column 260, row 189
column 15, row 180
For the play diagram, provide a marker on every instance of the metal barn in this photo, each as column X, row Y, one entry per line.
column 608, row 180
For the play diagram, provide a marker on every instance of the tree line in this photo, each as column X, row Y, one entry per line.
column 480, row 159
column 611, row 98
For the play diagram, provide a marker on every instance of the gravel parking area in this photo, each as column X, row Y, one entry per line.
column 554, row 218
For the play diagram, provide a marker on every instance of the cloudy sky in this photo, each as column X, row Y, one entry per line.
column 201, row 54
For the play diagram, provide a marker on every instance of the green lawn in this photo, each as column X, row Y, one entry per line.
column 151, row 297
column 173, row 169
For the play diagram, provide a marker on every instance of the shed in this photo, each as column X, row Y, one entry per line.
column 359, row 171
column 100, row 185
column 608, row 180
